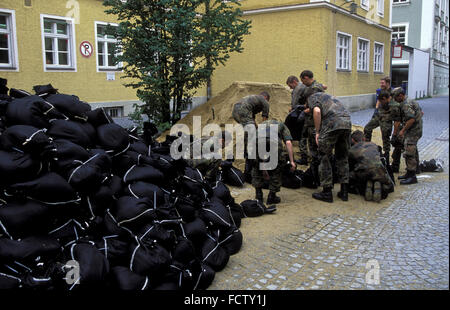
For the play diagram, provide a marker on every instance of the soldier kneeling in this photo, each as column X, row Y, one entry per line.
column 368, row 175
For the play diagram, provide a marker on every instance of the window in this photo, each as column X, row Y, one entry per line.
column 378, row 61
column 400, row 33
column 114, row 111
column 365, row 4
column 59, row 43
column 344, row 51
column 380, row 7
column 363, row 55
column 105, row 47
column 8, row 44
column 400, row 1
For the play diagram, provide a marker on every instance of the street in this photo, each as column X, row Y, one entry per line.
column 401, row 243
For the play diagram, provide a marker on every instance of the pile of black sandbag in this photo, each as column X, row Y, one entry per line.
column 86, row 203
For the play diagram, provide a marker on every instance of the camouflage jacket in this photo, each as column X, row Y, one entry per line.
column 283, row 134
column 407, row 110
column 315, row 87
column 365, row 161
column 255, row 104
column 333, row 113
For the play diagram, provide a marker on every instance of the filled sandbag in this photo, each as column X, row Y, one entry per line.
column 27, row 139
column 295, row 121
column 433, row 165
column 233, row 176
column 113, row 138
column 213, row 254
column 28, row 248
column 127, row 280
column 143, row 173
column 152, row 261
column 70, row 105
column 215, row 214
column 254, row 208
column 68, row 155
column 18, row 166
column 132, row 212
column 73, row 131
column 141, row 189
column 44, row 90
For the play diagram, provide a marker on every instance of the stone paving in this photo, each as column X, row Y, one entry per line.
column 406, row 241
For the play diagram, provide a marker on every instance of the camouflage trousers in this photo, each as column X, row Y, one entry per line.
column 411, row 153
column 275, row 177
column 208, row 167
column 303, row 143
column 373, row 174
column 386, row 130
column 241, row 115
column 312, row 145
column 397, row 154
column 339, row 140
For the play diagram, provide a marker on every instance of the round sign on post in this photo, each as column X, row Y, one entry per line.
column 86, row 49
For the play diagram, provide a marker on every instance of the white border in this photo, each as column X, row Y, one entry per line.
column 367, row 56
column 364, row 7
column 15, row 62
column 350, row 52
column 381, row 14
column 406, row 24
column 71, row 22
column 96, row 50
column 382, row 57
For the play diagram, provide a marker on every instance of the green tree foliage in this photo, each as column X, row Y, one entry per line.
column 169, row 48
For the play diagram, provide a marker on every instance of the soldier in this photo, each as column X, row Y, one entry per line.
column 244, row 113
column 381, row 117
column 209, row 167
column 367, row 172
column 297, row 91
column 333, row 127
column 274, row 175
column 411, row 132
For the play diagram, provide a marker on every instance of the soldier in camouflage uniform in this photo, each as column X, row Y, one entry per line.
column 244, row 113
column 382, row 118
column 367, row 172
column 258, row 176
column 333, row 127
column 209, row 167
column 411, row 119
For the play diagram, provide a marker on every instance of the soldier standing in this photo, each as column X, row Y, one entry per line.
column 258, row 176
column 332, row 131
column 411, row 132
column 382, row 118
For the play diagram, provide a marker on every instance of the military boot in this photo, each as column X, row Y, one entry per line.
column 369, row 191
column 273, row 198
column 377, row 191
column 326, row 195
column 343, row 194
column 402, row 177
column 259, row 195
column 410, row 178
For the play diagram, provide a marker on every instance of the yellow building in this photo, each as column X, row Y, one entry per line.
column 62, row 42
column 348, row 51
column 41, row 43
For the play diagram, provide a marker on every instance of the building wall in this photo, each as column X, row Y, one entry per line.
column 86, row 82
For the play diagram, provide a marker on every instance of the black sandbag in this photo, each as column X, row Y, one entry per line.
column 143, row 173
column 3, row 88
column 115, row 250
column 27, row 139
column 143, row 189
column 127, row 280
column 67, row 155
column 307, row 177
column 205, row 277
column 132, row 212
column 152, row 261
column 70, row 105
column 433, row 165
column 155, row 232
column 123, row 162
column 111, row 227
column 233, row 176
column 113, row 138
column 183, row 251
column 195, row 230
column 44, row 90
column 294, row 122
column 186, row 208
column 253, row 208
column 291, row 179
column 73, row 131
column 49, row 189
column 67, row 232
column 19, row 93
column 20, row 219
column 94, row 266
column 235, row 212
column 221, row 191
column 19, row 167
column 28, row 248
column 140, row 147
column 231, row 240
column 8, row 281
column 214, row 255
column 31, row 111
column 98, row 117
column 31, row 282
column 193, row 184
column 105, row 196
column 215, row 214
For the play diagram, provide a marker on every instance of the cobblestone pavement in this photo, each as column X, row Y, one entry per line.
column 407, row 237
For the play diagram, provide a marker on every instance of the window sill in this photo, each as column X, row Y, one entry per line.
column 9, row 68
column 102, row 70
column 362, row 71
column 378, row 72
column 55, row 69
column 344, row 70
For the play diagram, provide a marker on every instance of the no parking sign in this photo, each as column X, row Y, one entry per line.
column 86, row 49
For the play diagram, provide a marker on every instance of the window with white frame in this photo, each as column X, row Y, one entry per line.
column 363, row 55
column 59, row 43
column 365, row 4
column 380, row 7
column 378, row 61
column 343, row 51
column 400, row 33
column 8, row 45
column 106, row 44
column 400, row 1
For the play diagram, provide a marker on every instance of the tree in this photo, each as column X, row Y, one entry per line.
column 169, row 48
